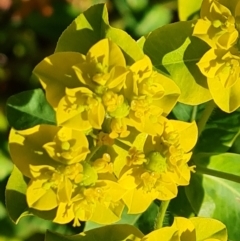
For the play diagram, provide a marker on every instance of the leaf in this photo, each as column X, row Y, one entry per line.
column 157, row 16
column 6, row 166
column 92, row 26
column 147, row 219
column 187, row 9
column 177, row 55
column 182, row 112
column 29, row 108
column 15, row 195
column 214, row 197
column 16, row 203
column 180, row 206
column 220, row 133
column 118, row 232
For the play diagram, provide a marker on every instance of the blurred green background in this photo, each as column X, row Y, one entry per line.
column 29, row 30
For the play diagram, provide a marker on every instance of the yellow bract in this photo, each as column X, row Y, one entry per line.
column 80, row 109
column 193, row 229
column 216, row 26
column 155, row 170
column 64, row 177
column 112, row 144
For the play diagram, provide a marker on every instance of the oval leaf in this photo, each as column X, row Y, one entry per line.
column 28, row 109
column 214, row 197
column 92, row 26
column 178, row 56
column 15, row 196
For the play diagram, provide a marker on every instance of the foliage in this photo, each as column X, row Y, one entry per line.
column 122, row 128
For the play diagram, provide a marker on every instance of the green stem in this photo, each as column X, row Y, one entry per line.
column 205, row 116
column 223, row 175
column 122, row 145
column 194, row 113
column 92, row 153
column 161, row 214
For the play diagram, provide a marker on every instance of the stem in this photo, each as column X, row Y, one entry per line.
column 161, row 213
column 205, row 116
column 223, row 175
column 92, row 153
column 194, row 113
column 122, row 145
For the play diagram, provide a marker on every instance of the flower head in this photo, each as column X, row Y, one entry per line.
column 216, row 26
column 155, row 171
column 66, row 176
column 198, row 228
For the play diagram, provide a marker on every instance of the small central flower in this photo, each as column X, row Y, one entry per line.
column 119, row 128
column 135, row 157
column 216, row 26
column 151, row 88
column 68, row 146
column 150, row 180
column 101, row 74
column 115, row 104
column 104, row 164
column 140, row 107
column 80, row 109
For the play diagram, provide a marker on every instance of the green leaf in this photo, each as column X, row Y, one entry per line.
column 92, row 26
column 147, row 220
column 180, row 206
column 221, row 132
column 6, row 166
column 174, row 50
column 15, row 195
column 16, row 199
column 28, row 109
column 188, row 9
column 157, row 16
column 182, row 112
column 118, row 232
column 214, row 197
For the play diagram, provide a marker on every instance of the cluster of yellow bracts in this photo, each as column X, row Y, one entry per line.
column 112, row 144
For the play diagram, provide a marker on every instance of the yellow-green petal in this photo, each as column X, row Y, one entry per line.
column 39, row 197
column 55, row 73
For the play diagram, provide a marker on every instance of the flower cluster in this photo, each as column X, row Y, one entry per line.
column 112, row 144
column 194, row 229
column 219, row 28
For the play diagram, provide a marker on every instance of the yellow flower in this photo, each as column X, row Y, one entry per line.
column 104, row 139
column 100, row 203
column 193, row 229
column 65, row 176
column 155, row 170
column 216, row 26
column 115, row 105
column 222, row 69
column 222, row 64
column 68, row 146
column 103, row 68
column 119, row 128
column 104, row 164
column 150, row 95
column 80, row 109
column 145, row 116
